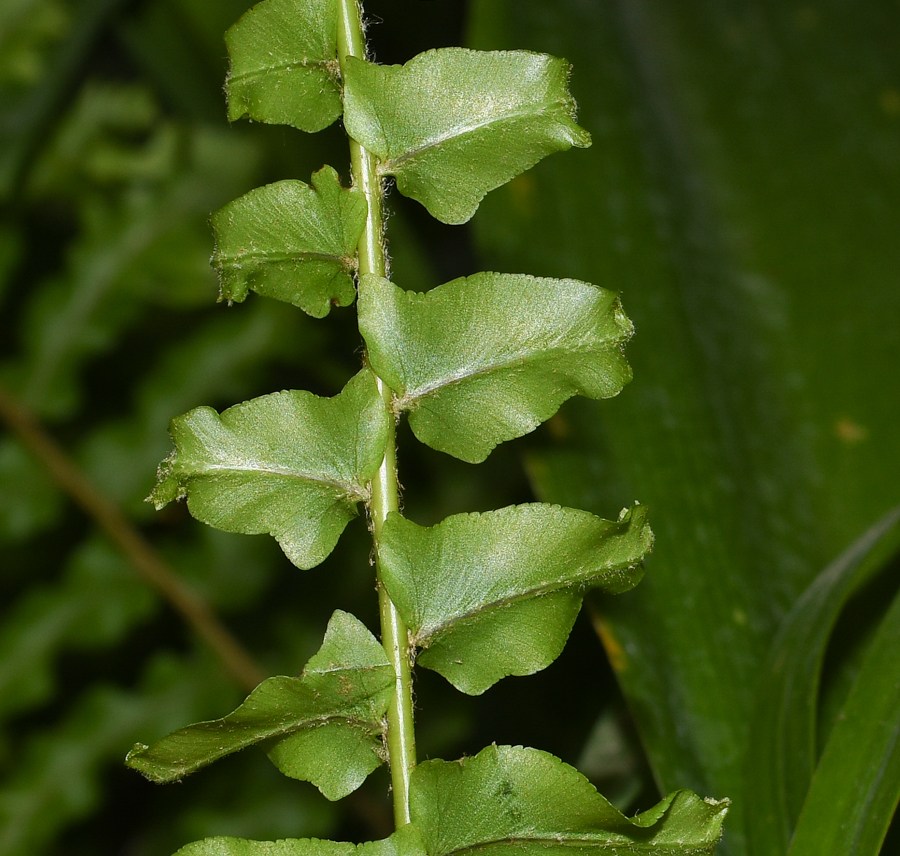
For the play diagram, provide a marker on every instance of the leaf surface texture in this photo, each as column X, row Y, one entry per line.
column 487, row 358
column 453, row 124
column 291, row 241
column 323, row 727
column 290, row 464
column 496, row 594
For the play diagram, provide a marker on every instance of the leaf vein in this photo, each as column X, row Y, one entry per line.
column 426, row 632
column 234, row 261
column 388, row 166
column 328, row 66
column 351, row 490
column 522, row 357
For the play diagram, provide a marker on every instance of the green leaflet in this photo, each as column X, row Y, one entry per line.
column 293, row 242
column 496, row 594
column 326, row 724
column 453, row 124
column 487, row 358
column 290, row 464
column 284, row 64
column 523, row 801
column 406, row 841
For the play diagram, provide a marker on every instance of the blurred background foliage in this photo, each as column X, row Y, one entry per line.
column 742, row 192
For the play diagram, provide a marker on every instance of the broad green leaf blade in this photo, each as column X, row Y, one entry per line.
column 496, row 594
column 783, row 734
column 293, row 242
column 323, row 727
column 290, row 464
column 453, row 124
column 856, row 787
column 744, row 216
column 406, row 841
column 509, row 799
column 487, row 358
column 284, row 67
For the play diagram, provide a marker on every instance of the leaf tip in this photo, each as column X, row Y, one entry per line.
column 137, row 749
column 136, row 760
column 168, row 487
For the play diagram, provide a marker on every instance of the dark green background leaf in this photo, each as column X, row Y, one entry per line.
column 742, row 196
column 783, row 730
column 856, row 787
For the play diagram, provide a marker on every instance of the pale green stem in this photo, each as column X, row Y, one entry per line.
column 394, row 635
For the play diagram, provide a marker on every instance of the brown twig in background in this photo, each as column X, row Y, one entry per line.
column 129, row 540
